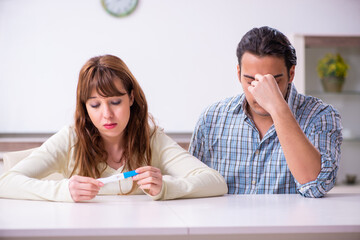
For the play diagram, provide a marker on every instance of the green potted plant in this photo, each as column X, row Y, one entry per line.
column 332, row 70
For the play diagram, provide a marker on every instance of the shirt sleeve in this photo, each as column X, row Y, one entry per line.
column 23, row 181
column 326, row 136
column 184, row 176
column 197, row 142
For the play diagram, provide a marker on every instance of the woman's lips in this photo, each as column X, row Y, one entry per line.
column 110, row 125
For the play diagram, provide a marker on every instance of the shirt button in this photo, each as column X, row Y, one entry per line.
column 257, row 152
column 253, row 182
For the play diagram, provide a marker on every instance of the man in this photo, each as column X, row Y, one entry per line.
column 270, row 139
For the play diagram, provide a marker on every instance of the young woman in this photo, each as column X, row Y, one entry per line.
column 113, row 133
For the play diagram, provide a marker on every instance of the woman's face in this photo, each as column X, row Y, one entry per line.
column 110, row 115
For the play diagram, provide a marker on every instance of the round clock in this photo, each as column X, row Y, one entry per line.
column 119, row 8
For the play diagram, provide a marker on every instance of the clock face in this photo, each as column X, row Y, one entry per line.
column 119, row 8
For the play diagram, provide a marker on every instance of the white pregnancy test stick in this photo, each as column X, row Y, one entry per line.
column 117, row 177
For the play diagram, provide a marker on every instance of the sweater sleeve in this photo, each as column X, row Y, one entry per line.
column 184, row 176
column 23, row 181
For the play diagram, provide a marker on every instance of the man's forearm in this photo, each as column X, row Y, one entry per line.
column 303, row 159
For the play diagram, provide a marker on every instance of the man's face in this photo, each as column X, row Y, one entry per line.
column 251, row 65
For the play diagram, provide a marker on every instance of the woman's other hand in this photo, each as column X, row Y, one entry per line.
column 149, row 179
column 83, row 188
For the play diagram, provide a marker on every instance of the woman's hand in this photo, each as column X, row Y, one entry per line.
column 83, row 188
column 149, row 179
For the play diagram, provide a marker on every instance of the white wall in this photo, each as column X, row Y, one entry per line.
column 181, row 51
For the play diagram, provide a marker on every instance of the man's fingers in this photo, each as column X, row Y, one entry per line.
column 258, row 77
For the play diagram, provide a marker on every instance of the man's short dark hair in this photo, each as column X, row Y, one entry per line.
column 267, row 41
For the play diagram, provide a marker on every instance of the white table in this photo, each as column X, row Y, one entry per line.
column 337, row 216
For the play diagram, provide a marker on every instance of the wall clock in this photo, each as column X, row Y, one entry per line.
column 119, row 8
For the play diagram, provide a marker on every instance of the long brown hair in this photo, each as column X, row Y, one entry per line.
column 100, row 73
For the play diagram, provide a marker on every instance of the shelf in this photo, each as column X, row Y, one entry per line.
column 341, row 188
column 331, row 41
column 331, row 94
column 17, row 141
column 346, row 103
column 344, row 100
column 351, row 139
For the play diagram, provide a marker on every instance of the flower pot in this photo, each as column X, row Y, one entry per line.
column 332, row 84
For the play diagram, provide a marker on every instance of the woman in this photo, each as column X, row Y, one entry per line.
column 112, row 134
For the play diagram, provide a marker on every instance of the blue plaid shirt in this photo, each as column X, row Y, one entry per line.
column 226, row 139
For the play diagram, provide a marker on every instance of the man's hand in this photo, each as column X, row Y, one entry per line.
column 266, row 92
column 84, row 188
column 150, row 179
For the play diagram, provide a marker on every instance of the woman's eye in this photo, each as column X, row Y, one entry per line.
column 116, row 102
column 94, row 105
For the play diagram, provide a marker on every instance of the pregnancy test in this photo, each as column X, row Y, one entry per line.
column 117, row 177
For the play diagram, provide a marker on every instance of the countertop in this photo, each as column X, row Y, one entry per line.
column 226, row 217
